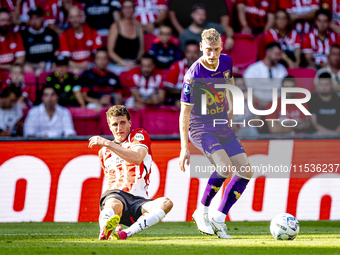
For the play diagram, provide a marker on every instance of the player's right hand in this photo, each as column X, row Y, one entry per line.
column 184, row 157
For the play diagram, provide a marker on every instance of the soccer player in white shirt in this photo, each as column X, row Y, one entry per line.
column 126, row 162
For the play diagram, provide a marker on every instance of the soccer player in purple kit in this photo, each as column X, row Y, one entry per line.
column 218, row 142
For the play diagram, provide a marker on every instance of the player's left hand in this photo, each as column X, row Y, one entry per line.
column 229, row 43
column 97, row 140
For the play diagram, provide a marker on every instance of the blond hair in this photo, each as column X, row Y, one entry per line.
column 117, row 110
column 210, row 35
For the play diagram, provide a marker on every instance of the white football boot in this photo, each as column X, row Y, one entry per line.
column 220, row 229
column 202, row 222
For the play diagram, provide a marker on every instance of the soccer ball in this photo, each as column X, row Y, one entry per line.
column 284, row 226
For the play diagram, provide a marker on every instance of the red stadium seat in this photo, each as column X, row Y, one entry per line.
column 135, row 121
column 42, row 79
column 31, row 81
column 244, row 51
column 304, row 77
column 123, row 77
column 148, row 39
column 86, row 121
column 261, row 46
column 161, row 120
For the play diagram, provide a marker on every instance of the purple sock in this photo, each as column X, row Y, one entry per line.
column 232, row 192
column 214, row 184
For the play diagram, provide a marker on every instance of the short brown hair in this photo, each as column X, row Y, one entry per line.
column 210, row 35
column 117, row 110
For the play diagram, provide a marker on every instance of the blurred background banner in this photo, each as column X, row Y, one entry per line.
column 62, row 181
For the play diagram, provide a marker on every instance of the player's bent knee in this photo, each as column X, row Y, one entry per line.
column 246, row 171
column 115, row 204
column 167, row 204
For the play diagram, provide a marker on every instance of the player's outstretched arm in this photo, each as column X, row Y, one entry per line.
column 184, row 120
column 134, row 156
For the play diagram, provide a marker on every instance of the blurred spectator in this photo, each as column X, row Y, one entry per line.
column 292, row 113
column 165, row 49
column 302, row 13
column 316, row 44
column 240, row 129
column 193, row 32
column 216, row 12
column 41, row 44
column 11, row 47
column 325, row 107
column 79, row 42
column 333, row 6
column 66, row 83
column 125, row 41
column 255, row 16
column 174, row 80
column 151, row 13
column 100, row 14
column 10, row 111
column 333, row 68
column 16, row 78
column 57, row 14
column 21, row 10
column 49, row 119
column 288, row 39
column 266, row 74
column 147, row 83
column 99, row 86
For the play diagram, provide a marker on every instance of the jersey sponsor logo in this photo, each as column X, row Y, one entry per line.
column 6, row 58
column 98, row 10
column 79, row 55
column 12, row 45
column 41, row 48
column 227, row 75
column 89, row 43
column 139, row 137
column 215, row 188
column 48, row 38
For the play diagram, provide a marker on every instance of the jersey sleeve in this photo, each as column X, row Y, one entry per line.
column 268, row 37
column 20, row 50
column 306, row 44
column 187, row 90
column 315, row 4
column 48, row 17
column 161, row 4
column 139, row 137
column 97, row 41
column 64, row 48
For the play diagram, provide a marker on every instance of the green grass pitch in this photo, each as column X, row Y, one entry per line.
column 320, row 237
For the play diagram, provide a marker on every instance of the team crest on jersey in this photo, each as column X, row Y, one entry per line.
column 139, row 137
column 227, row 75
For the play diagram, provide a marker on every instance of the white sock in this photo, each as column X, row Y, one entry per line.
column 145, row 221
column 203, row 208
column 105, row 214
column 219, row 216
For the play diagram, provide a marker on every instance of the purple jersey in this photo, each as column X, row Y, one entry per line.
column 200, row 80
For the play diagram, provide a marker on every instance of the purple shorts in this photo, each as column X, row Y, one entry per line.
column 208, row 143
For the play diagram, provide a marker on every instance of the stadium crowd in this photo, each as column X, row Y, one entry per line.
column 64, row 59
